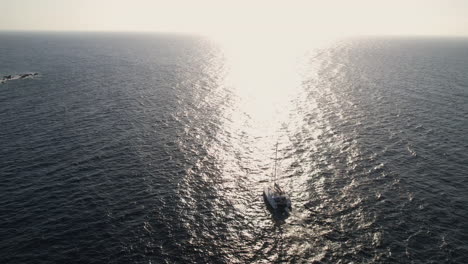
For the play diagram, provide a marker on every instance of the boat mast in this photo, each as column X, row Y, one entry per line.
column 276, row 158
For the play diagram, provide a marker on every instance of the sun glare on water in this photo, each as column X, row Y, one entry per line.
column 263, row 77
column 265, row 72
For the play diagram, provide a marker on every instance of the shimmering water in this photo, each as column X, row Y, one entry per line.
column 155, row 149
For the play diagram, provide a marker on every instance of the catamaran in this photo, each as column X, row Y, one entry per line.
column 275, row 197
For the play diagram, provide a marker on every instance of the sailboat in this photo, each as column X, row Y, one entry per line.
column 275, row 197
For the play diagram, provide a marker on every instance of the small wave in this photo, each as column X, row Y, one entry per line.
column 411, row 151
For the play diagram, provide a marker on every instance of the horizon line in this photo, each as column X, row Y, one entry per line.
column 208, row 34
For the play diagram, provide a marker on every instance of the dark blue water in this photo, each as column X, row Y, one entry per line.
column 132, row 148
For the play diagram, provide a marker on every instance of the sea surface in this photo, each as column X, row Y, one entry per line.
column 155, row 148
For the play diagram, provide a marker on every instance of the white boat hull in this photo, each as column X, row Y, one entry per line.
column 277, row 199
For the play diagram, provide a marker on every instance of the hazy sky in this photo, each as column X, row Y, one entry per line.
column 401, row 17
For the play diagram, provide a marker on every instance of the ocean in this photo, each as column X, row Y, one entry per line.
column 155, row 148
